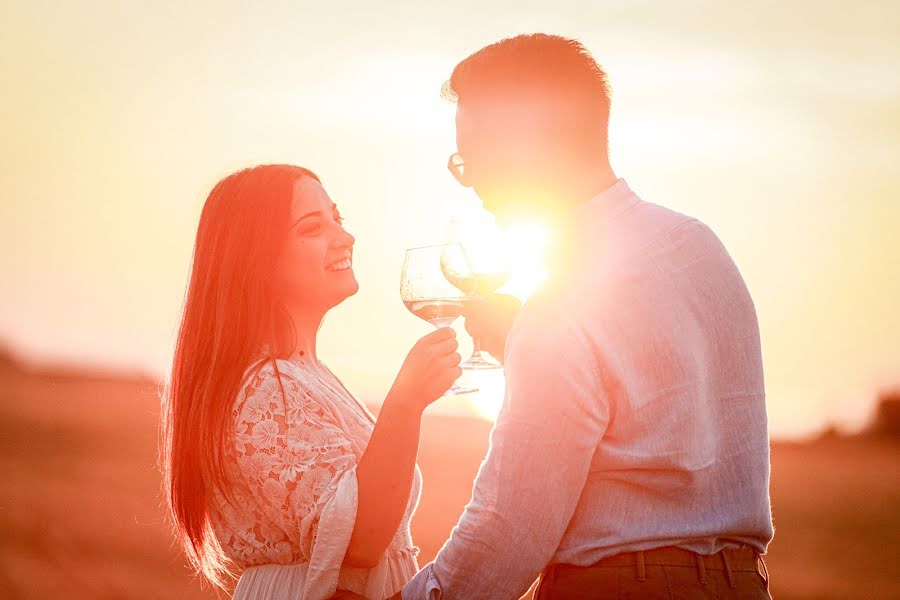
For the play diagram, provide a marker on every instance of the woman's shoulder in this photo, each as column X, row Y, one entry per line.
column 260, row 369
column 284, row 387
column 265, row 379
column 267, row 368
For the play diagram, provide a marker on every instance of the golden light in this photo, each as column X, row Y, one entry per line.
column 486, row 402
column 527, row 243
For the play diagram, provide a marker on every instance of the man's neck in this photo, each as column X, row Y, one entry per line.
column 565, row 241
column 574, row 193
column 595, row 182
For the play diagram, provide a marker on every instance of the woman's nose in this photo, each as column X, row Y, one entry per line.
column 344, row 239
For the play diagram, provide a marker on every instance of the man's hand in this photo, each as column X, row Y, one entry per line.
column 489, row 321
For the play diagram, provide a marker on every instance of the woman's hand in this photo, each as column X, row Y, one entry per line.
column 429, row 370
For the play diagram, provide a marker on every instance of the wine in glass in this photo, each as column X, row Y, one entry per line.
column 476, row 262
column 428, row 295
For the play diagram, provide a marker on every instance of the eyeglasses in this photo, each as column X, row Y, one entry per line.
column 457, row 167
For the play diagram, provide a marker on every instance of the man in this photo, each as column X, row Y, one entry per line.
column 631, row 457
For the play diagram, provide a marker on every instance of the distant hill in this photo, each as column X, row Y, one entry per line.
column 12, row 364
column 886, row 422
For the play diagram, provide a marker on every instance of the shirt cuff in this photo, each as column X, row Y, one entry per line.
column 424, row 586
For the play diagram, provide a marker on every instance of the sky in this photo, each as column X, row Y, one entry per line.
column 777, row 124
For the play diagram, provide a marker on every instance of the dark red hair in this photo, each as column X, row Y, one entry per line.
column 231, row 315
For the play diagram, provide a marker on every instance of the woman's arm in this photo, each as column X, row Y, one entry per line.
column 385, row 471
column 384, row 477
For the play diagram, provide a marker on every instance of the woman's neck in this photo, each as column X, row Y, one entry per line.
column 306, row 329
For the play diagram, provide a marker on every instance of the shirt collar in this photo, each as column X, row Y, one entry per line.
column 590, row 222
column 609, row 203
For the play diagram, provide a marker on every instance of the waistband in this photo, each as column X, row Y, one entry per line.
column 729, row 560
column 739, row 559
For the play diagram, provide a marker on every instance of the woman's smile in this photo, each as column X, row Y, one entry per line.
column 344, row 263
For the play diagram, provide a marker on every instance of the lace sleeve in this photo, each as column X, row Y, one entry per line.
column 291, row 453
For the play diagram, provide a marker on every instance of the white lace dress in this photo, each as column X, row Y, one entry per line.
column 294, row 471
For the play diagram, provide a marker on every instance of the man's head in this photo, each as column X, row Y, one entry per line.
column 531, row 123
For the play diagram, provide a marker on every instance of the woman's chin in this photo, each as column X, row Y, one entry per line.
column 355, row 288
column 350, row 288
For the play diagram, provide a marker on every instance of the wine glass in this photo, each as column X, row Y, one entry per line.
column 428, row 295
column 477, row 263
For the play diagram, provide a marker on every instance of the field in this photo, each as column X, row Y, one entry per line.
column 81, row 514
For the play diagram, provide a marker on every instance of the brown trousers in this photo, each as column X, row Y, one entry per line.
column 662, row 573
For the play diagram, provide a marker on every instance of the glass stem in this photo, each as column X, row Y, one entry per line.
column 476, row 344
column 476, row 348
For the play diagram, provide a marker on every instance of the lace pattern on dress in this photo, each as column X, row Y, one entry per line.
column 291, row 452
column 298, row 435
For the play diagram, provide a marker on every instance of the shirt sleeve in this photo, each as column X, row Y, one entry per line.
column 300, row 467
column 553, row 416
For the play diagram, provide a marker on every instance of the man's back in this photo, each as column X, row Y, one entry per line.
column 633, row 416
column 673, row 336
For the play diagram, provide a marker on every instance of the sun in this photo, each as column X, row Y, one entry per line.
column 526, row 243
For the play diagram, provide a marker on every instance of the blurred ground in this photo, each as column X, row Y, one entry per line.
column 81, row 515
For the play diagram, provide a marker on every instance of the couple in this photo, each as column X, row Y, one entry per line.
column 630, row 458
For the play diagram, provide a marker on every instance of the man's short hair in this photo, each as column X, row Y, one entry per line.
column 537, row 66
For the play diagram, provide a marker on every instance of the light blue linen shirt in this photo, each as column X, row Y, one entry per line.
column 634, row 414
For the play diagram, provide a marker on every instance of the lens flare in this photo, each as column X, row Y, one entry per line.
column 527, row 244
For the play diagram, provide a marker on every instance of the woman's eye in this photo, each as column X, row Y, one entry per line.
column 310, row 229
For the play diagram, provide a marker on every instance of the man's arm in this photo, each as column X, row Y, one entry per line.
column 527, row 489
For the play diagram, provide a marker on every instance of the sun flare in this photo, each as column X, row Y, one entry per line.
column 526, row 243
column 487, row 401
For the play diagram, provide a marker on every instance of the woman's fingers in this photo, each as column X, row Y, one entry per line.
column 450, row 360
column 439, row 335
column 439, row 351
column 444, row 347
column 445, row 379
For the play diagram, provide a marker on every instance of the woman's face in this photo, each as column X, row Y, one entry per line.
column 314, row 270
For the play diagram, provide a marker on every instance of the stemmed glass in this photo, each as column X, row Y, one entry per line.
column 477, row 263
column 427, row 293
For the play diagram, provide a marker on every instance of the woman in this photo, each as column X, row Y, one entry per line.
column 273, row 470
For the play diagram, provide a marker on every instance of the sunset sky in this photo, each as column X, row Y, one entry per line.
column 778, row 124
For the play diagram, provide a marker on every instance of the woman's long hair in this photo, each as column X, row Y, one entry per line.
column 231, row 313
